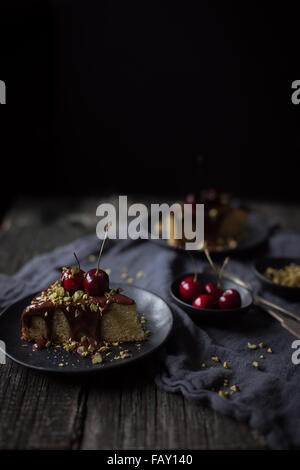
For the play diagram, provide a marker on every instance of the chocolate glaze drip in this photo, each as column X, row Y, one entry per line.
column 83, row 321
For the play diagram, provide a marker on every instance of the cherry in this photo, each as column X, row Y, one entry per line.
column 230, row 299
column 212, row 289
column 72, row 278
column 190, row 288
column 96, row 281
column 205, row 301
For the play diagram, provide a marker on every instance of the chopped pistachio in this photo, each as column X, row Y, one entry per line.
column 91, row 349
column 53, row 297
column 97, row 358
column 73, row 345
column 261, row 357
column 77, row 295
column 85, row 296
column 94, row 307
column 226, row 365
column 203, row 365
column 130, row 280
column 252, row 346
column 124, row 275
column 235, row 388
column 269, row 350
column 108, row 271
column 261, row 345
column 223, row 394
column 139, row 275
column 255, row 364
column 48, row 344
column 60, row 364
column 215, row 358
column 46, row 314
column 60, row 291
column 68, row 308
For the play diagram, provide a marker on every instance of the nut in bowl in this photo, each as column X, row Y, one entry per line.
column 280, row 274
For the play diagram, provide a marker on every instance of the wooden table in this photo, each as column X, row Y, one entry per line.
column 111, row 411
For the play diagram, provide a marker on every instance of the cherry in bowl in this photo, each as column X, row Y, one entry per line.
column 208, row 308
column 190, row 288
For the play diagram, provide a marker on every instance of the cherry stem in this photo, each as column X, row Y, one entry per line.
column 210, row 260
column 102, row 246
column 77, row 260
column 226, row 261
column 195, row 267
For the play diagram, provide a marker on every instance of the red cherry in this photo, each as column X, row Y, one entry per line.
column 212, row 289
column 190, row 289
column 230, row 299
column 205, row 301
column 96, row 283
column 72, row 279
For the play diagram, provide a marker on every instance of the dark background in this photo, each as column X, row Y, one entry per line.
column 123, row 96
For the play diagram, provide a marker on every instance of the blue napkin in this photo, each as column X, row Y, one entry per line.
column 269, row 397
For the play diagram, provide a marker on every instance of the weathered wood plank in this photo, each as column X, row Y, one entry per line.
column 37, row 412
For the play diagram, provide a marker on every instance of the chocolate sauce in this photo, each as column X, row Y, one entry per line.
column 83, row 321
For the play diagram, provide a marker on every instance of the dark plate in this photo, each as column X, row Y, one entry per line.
column 159, row 321
column 257, row 233
column 262, row 264
column 211, row 314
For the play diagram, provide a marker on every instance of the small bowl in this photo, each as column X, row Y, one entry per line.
column 262, row 264
column 212, row 314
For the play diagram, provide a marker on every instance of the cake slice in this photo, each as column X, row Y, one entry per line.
column 80, row 320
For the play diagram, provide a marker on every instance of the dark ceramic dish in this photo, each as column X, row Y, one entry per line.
column 262, row 264
column 211, row 314
column 159, row 321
